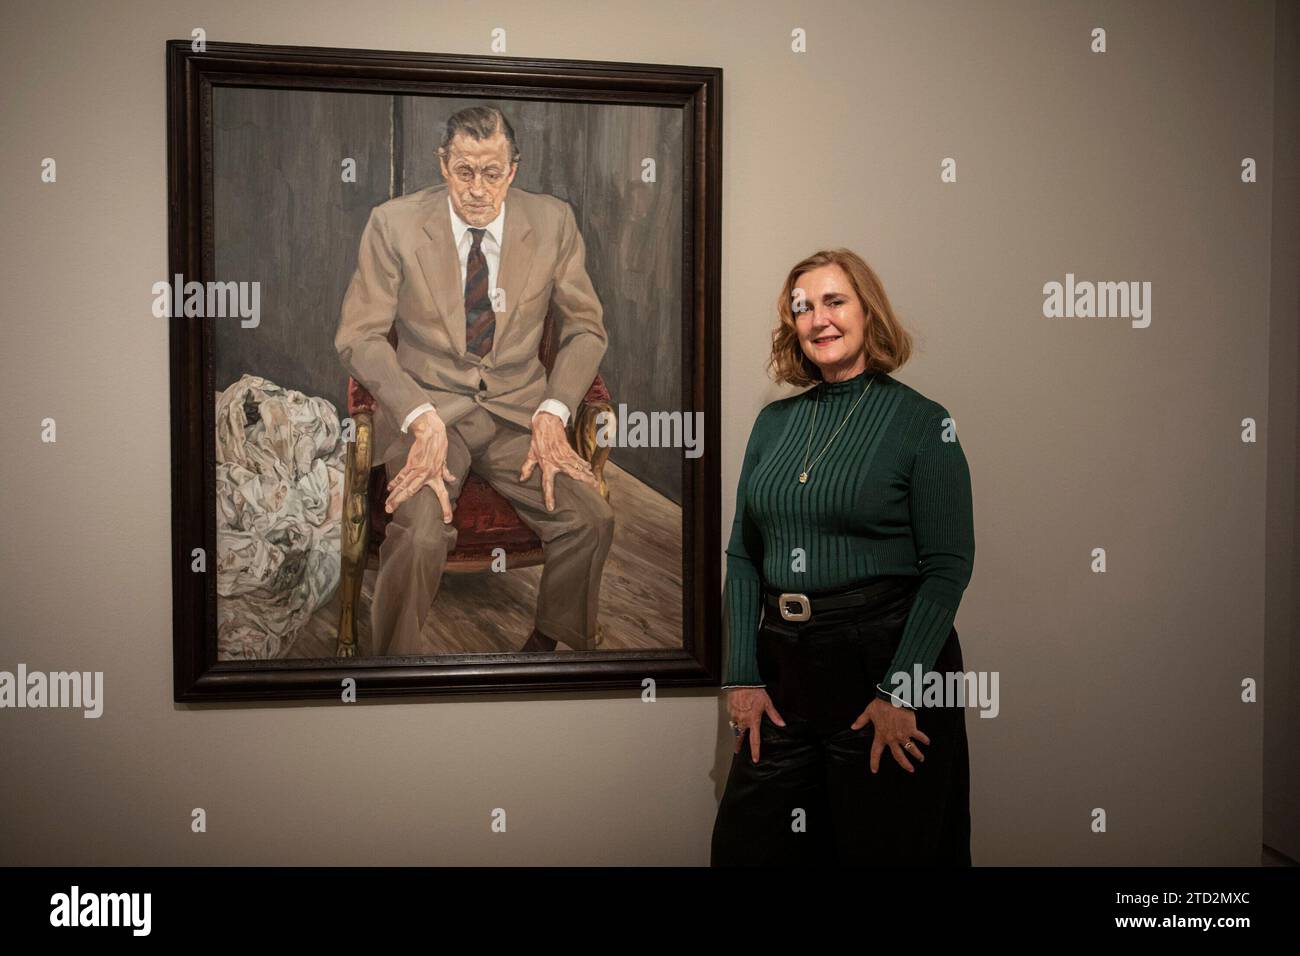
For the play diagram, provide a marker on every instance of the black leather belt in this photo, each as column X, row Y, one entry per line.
column 795, row 606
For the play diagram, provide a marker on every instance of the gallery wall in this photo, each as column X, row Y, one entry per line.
column 1282, row 557
column 1120, row 690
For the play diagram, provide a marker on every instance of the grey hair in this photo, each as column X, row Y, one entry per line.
column 479, row 122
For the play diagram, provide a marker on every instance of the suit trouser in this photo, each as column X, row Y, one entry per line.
column 575, row 537
column 821, row 675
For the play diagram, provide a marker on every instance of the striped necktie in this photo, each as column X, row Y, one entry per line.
column 480, row 320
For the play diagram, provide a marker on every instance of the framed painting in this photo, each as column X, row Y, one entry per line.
column 444, row 372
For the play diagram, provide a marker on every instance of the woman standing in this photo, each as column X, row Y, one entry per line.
column 854, row 540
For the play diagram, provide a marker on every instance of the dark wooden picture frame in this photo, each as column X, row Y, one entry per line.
column 191, row 78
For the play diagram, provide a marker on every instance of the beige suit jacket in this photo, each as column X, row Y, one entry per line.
column 408, row 273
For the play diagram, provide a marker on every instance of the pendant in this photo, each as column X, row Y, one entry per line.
column 803, row 478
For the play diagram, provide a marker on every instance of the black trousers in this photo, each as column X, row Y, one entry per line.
column 821, row 674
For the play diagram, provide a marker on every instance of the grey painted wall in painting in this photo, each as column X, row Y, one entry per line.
column 284, row 217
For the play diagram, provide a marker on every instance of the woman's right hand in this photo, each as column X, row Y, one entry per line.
column 746, row 705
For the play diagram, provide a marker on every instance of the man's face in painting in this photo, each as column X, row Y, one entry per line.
column 478, row 174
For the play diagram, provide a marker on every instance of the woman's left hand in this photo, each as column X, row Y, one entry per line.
column 895, row 728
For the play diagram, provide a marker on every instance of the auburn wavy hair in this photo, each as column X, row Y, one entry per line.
column 887, row 344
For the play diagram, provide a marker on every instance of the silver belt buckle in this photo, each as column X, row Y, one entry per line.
column 805, row 609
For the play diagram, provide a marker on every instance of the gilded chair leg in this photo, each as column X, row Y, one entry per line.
column 587, row 424
column 592, row 419
column 355, row 534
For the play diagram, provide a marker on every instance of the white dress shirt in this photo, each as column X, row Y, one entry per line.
column 491, row 246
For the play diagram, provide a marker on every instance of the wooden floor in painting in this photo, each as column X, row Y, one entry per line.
column 486, row 612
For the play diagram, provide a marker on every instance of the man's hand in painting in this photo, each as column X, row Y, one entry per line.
column 426, row 464
column 550, row 448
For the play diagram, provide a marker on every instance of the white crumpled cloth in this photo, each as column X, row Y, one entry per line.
column 279, row 502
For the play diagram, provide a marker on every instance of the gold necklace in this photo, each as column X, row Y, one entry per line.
column 803, row 475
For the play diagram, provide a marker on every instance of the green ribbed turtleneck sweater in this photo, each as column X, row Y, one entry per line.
column 891, row 496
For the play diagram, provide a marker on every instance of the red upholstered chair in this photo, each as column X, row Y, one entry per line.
column 484, row 520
